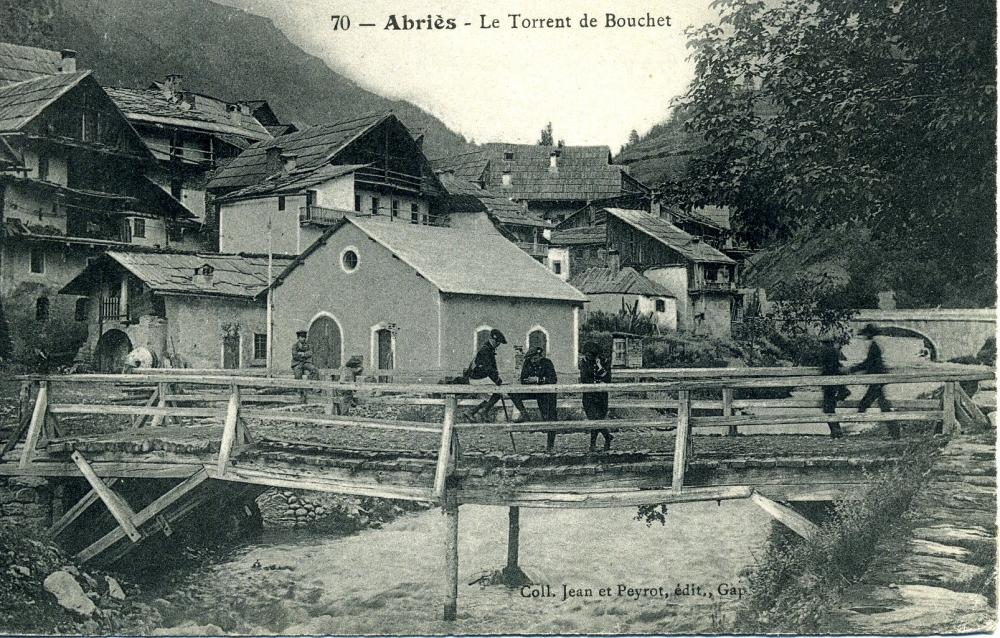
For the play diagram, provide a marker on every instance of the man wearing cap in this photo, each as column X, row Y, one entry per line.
column 302, row 357
column 595, row 369
column 538, row 370
column 874, row 364
column 829, row 363
column 484, row 366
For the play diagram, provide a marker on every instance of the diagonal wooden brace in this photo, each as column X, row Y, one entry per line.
column 79, row 508
column 786, row 516
column 37, row 424
column 229, row 434
column 147, row 514
column 116, row 504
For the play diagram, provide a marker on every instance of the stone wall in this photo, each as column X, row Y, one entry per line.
column 26, row 502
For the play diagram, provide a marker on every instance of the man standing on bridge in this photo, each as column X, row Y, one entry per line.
column 874, row 364
column 302, row 357
column 484, row 369
column 829, row 364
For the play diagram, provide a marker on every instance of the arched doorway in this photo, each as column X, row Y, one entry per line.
column 326, row 342
column 112, row 349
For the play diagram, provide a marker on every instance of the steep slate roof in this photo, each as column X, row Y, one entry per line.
column 469, row 197
column 19, row 63
column 487, row 264
column 207, row 113
column 585, row 173
column 314, row 146
column 23, row 101
column 581, row 235
column 627, row 281
column 173, row 273
column 671, row 236
column 469, row 166
column 294, row 182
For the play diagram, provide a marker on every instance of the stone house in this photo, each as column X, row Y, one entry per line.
column 701, row 278
column 72, row 185
column 403, row 297
column 280, row 195
column 613, row 290
column 191, row 310
column 553, row 182
column 190, row 134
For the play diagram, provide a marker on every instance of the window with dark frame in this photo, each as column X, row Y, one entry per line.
column 259, row 345
column 414, row 213
column 357, row 203
column 374, row 205
column 395, row 208
column 36, row 257
column 281, row 202
column 138, row 227
column 508, row 156
column 42, row 309
column 661, row 305
column 557, row 267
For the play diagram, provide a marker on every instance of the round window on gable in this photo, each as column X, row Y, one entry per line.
column 349, row 259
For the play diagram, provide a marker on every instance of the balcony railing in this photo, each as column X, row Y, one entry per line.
column 383, row 177
column 112, row 309
column 320, row 215
column 535, row 250
column 716, row 285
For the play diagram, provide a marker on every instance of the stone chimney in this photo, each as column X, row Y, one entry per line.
column 288, row 162
column 68, row 62
column 614, row 261
column 554, row 162
column 273, row 164
column 173, row 85
column 203, row 275
column 234, row 113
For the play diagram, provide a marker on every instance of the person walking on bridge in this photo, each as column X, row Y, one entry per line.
column 538, row 370
column 829, row 363
column 874, row 364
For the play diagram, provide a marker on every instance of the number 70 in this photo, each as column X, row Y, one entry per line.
column 341, row 23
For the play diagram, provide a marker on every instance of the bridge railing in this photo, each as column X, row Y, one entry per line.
column 676, row 404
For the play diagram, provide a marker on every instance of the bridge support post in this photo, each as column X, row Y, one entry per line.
column 681, row 440
column 727, row 407
column 450, row 511
column 949, row 424
column 513, row 536
column 36, row 425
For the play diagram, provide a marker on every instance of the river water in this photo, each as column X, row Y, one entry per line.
column 390, row 580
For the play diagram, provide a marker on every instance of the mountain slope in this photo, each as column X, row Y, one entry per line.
column 220, row 50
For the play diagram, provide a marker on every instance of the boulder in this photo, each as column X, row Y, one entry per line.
column 114, row 589
column 69, row 594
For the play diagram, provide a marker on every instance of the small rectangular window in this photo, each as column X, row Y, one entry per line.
column 661, row 305
column 281, row 202
column 357, row 203
column 138, row 227
column 395, row 208
column 37, row 258
column 508, row 156
column 374, row 205
column 414, row 213
column 259, row 345
column 43, row 168
column 557, row 267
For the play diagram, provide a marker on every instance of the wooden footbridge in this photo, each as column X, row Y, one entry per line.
column 680, row 435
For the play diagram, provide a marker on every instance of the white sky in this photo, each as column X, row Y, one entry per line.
column 595, row 85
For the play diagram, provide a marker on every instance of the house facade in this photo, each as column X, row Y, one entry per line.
column 553, row 182
column 614, row 290
column 441, row 302
column 190, row 134
column 701, row 278
column 191, row 310
column 72, row 185
column 280, row 195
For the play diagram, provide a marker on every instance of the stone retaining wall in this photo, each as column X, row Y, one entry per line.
column 26, row 501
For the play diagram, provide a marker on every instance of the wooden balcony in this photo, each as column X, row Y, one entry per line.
column 375, row 176
column 321, row 215
column 533, row 249
column 112, row 309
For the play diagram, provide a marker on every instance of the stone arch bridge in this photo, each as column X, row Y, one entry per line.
column 948, row 332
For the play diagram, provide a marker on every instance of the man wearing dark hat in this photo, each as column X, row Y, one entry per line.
column 302, row 357
column 595, row 369
column 484, row 366
column 538, row 370
column 874, row 364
